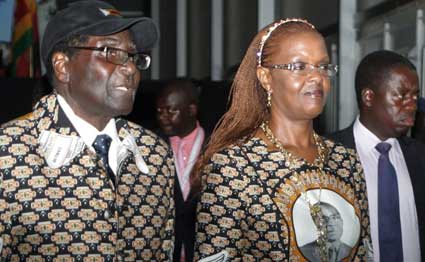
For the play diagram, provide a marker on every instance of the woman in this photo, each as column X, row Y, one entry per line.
column 272, row 189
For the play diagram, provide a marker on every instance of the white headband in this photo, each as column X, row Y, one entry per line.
column 271, row 29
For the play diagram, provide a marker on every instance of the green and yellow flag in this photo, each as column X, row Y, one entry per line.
column 25, row 47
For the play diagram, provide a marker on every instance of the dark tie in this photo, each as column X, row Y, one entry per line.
column 390, row 243
column 333, row 254
column 101, row 144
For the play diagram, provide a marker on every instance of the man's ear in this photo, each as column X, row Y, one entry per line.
column 60, row 63
column 263, row 75
column 193, row 110
column 368, row 96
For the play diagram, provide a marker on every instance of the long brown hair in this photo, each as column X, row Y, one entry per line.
column 247, row 98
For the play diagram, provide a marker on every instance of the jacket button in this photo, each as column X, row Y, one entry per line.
column 107, row 214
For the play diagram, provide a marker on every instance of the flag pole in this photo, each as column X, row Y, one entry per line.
column 31, row 62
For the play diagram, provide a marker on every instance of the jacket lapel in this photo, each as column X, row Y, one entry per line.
column 413, row 151
column 59, row 142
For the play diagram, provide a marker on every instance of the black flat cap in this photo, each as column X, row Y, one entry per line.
column 93, row 17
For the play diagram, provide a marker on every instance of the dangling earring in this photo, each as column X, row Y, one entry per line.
column 269, row 98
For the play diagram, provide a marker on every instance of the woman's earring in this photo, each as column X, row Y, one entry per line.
column 269, row 98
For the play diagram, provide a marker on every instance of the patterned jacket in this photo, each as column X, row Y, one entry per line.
column 256, row 205
column 73, row 211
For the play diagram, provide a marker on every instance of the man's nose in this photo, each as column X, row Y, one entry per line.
column 331, row 222
column 129, row 68
column 163, row 115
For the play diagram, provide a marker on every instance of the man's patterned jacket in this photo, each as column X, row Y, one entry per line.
column 58, row 204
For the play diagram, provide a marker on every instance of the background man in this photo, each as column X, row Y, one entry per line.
column 177, row 109
column 387, row 90
column 79, row 182
column 337, row 250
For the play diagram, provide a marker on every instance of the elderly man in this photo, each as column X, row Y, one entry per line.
column 78, row 182
column 387, row 91
column 337, row 250
column 177, row 110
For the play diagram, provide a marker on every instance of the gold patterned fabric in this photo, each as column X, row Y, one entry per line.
column 73, row 211
column 255, row 206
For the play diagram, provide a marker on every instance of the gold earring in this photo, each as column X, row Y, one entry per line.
column 269, row 98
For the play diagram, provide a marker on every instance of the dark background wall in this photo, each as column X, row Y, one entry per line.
column 239, row 27
column 16, row 97
column 20, row 94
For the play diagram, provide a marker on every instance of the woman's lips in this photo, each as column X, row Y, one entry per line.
column 314, row 93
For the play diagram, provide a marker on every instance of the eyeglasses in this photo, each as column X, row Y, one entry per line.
column 118, row 56
column 170, row 111
column 301, row 68
column 333, row 217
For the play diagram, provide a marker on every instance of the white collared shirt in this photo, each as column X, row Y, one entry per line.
column 365, row 144
column 88, row 133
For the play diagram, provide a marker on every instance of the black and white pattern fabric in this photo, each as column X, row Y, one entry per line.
column 57, row 202
column 255, row 206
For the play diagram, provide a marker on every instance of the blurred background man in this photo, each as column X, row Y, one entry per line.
column 177, row 110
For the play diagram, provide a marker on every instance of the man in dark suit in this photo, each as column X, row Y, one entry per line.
column 387, row 88
column 177, row 110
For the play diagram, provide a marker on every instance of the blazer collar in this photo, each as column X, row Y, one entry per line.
column 59, row 140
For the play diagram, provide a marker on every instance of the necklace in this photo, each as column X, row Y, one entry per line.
column 321, row 149
column 315, row 209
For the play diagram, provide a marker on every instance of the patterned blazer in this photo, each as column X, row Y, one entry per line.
column 70, row 210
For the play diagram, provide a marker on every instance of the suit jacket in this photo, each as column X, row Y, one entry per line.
column 312, row 252
column 185, row 217
column 68, row 210
column 412, row 149
column 185, row 223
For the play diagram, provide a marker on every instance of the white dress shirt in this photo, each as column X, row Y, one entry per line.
column 365, row 144
column 88, row 133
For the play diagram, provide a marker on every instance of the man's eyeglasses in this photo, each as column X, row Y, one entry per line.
column 301, row 68
column 118, row 56
column 170, row 111
column 333, row 217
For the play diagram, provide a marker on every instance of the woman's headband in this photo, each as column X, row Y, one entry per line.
column 270, row 31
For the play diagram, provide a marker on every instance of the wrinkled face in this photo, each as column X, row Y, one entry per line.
column 299, row 96
column 174, row 114
column 394, row 104
column 334, row 223
column 98, row 88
